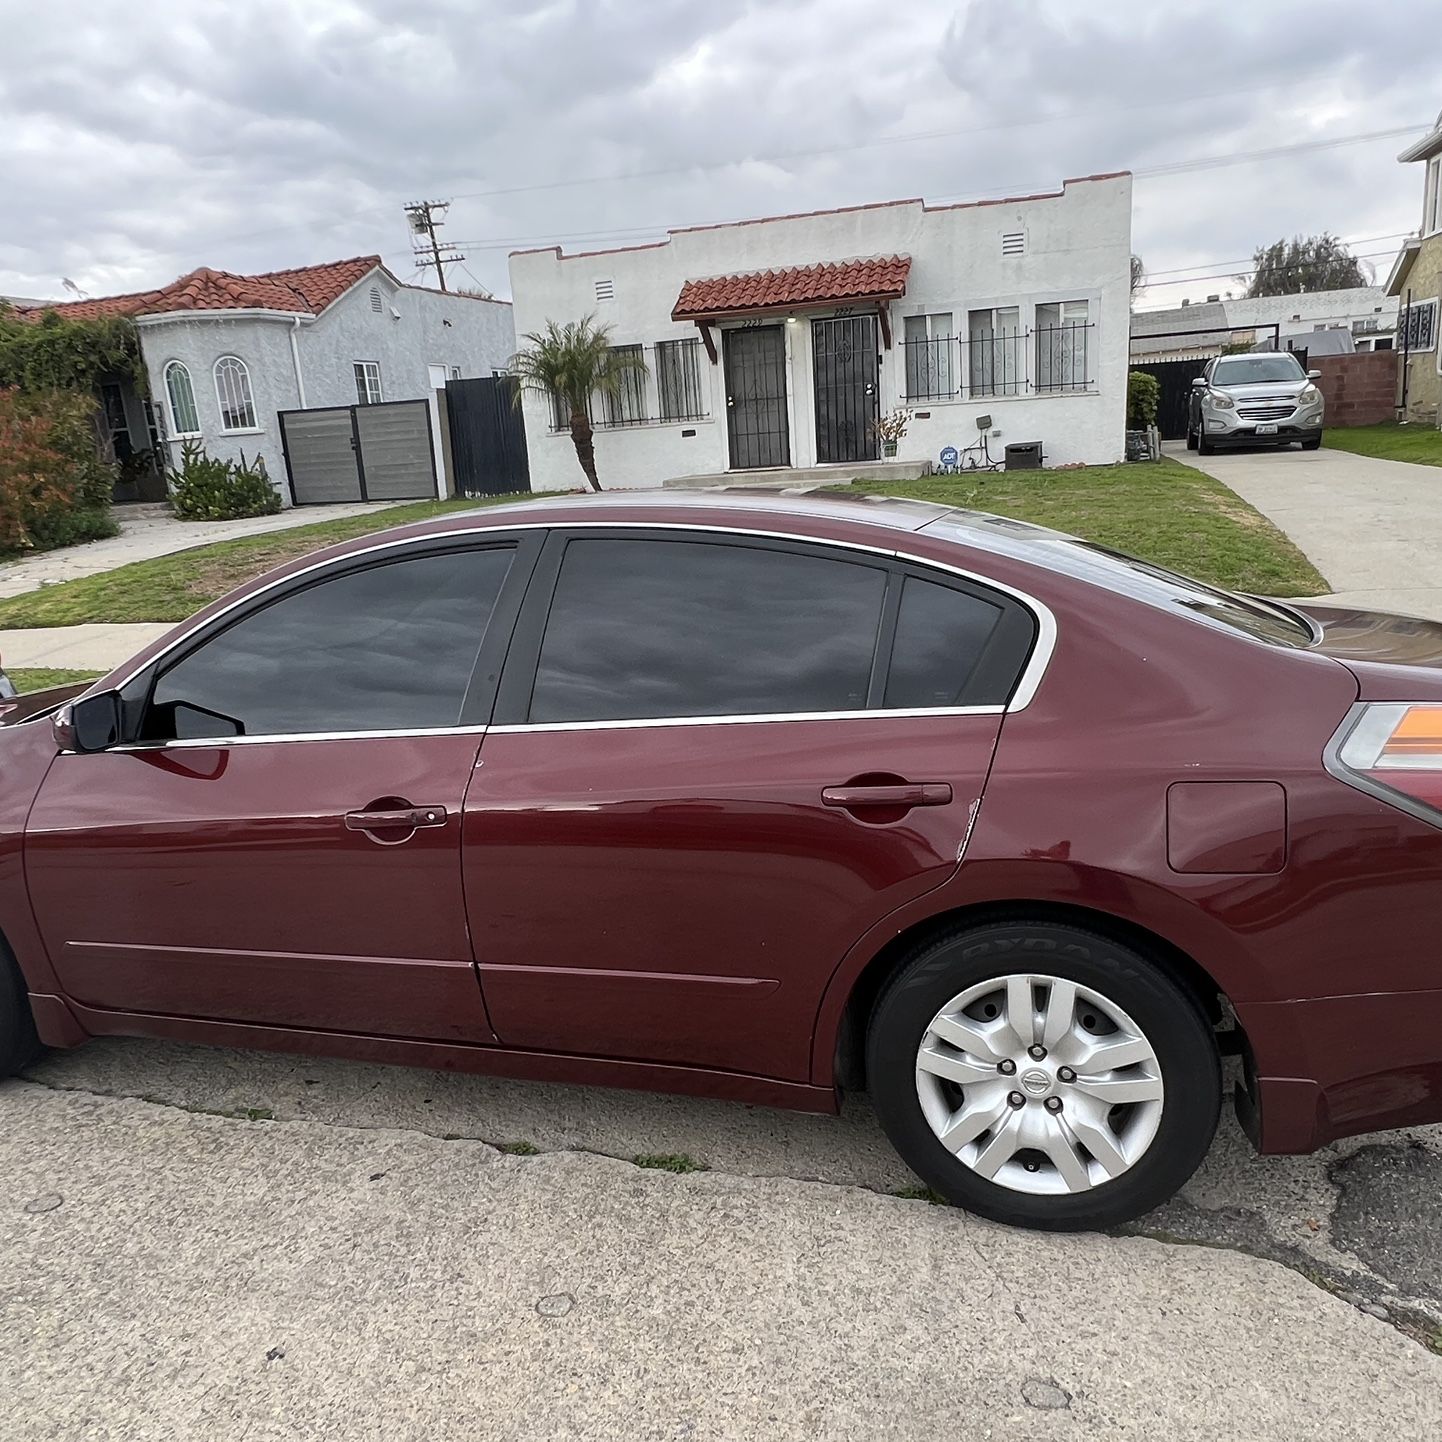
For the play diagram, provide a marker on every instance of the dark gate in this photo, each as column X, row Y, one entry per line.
column 846, row 363
column 1175, row 378
column 756, row 422
column 488, row 437
column 381, row 452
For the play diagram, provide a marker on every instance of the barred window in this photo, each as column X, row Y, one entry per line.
column 678, row 380
column 1062, row 346
column 232, row 390
column 1417, row 326
column 628, row 404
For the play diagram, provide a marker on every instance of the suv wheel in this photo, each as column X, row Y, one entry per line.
column 1043, row 1076
column 1191, row 437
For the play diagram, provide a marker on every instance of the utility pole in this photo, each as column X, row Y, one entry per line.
column 424, row 216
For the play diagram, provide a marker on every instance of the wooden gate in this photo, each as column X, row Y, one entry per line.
column 359, row 453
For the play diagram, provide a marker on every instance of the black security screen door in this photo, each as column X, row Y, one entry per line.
column 756, row 398
column 845, row 361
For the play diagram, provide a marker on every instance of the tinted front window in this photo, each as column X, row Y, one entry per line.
column 940, row 634
column 1252, row 369
column 643, row 629
column 389, row 648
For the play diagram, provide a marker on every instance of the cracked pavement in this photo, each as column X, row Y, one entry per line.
column 360, row 1263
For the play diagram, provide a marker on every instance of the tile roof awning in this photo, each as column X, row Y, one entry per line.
column 831, row 283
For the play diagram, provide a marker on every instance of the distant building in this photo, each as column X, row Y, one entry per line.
column 1359, row 319
column 1416, row 282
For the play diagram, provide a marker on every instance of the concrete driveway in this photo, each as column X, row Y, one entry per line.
column 236, row 1244
column 1370, row 527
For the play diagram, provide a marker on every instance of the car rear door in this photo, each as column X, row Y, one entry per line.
column 305, row 872
column 717, row 760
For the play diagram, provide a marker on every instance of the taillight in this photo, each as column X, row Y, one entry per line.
column 1393, row 749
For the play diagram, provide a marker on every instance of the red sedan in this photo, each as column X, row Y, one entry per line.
column 763, row 798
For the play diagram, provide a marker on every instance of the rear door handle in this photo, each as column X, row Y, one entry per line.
column 411, row 818
column 921, row 793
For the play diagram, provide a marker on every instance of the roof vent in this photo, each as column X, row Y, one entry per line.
column 376, row 299
column 1185, row 301
column 605, row 290
column 1212, row 299
column 1013, row 242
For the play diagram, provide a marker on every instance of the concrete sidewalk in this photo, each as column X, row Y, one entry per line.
column 173, row 1274
column 80, row 648
column 1370, row 527
column 153, row 530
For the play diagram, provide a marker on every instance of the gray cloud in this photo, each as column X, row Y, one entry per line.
column 144, row 141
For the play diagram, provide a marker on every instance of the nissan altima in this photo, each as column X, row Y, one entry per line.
column 765, row 798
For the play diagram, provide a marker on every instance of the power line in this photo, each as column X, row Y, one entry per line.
column 1247, row 260
column 1252, row 270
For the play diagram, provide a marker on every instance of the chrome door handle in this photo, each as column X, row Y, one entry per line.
column 923, row 793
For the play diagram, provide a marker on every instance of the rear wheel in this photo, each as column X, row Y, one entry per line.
column 1043, row 1076
column 18, row 1042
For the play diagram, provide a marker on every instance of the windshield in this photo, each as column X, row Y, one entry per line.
column 1249, row 369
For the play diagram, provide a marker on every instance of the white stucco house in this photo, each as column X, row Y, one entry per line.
column 774, row 345
column 226, row 354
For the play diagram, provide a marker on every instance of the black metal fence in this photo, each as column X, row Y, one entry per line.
column 1046, row 360
column 663, row 383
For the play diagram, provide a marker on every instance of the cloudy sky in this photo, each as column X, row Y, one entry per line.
column 143, row 140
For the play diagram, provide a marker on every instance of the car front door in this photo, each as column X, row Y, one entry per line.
column 279, row 840
column 717, row 760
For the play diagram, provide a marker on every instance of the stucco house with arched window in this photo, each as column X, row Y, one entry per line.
column 226, row 355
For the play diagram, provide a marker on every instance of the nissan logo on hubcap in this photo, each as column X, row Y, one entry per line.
column 1036, row 1081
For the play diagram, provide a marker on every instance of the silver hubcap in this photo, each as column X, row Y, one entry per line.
column 1039, row 1084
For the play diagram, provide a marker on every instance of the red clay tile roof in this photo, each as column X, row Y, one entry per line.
column 882, row 278
column 307, row 290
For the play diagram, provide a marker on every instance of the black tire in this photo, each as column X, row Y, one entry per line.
column 1170, row 1019
column 19, row 1045
column 1204, row 446
column 1191, row 438
column 1312, row 444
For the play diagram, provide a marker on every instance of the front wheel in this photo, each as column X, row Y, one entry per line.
column 1204, row 446
column 1043, row 1076
column 1191, row 438
column 1312, row 443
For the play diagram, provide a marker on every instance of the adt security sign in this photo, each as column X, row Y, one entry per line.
column 948, row 458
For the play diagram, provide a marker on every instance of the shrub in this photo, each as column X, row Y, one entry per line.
column 1144, row 392
column 207, row 489
column 54, row 487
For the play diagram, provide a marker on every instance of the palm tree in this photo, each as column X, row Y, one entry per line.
column 568, row 364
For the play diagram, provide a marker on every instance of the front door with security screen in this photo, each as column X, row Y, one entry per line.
column 756, row 420
column 847, row 368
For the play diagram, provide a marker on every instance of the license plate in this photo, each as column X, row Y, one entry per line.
column 1266, row 430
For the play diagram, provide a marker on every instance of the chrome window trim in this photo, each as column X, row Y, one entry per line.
column 1026, row 688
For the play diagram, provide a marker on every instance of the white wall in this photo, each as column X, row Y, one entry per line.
column 1300, row 314
column 445, row 329
column 1078, row 247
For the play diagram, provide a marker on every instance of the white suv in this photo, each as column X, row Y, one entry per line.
column 1254, row 400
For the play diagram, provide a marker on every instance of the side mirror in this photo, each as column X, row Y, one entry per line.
column 91, row 723
column 1314, row 375
column 1199, row 383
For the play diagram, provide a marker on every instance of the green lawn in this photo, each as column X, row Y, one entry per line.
column 1389, row 442
column 170, row 588
column 39, row 678
column 1161, row 511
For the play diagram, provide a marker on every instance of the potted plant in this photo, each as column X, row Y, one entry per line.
column 890, row 428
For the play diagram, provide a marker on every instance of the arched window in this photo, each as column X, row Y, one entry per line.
column 184, row 421
column 232, row 390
